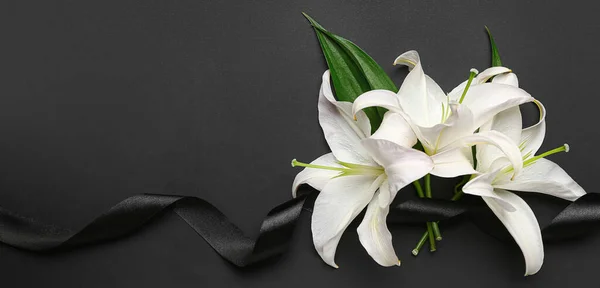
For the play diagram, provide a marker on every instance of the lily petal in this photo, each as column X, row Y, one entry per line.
column 507, row 122
column 402, row 165
column 340, row 201
column 533, row 136
column 523, row 226
column 375, row 236
column 486, row 100
column 487, row 74
column 507, row 78
column 420, row 97
column 343, row 136
column 377, row 98
column 481, row 78
column 546, row 177
column 316, row 178
column 482, row 186
column 501, row 141
column 409, row 59
column 385, row 195
column 430, row 136
column 453, row 163
column 395, row 128
column 359, row 119
column 458, row 125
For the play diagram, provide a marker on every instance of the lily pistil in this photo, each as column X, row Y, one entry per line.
column 347, row 169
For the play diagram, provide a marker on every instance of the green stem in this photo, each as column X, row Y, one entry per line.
column 436, row 231
column 434, row 225
column 428, row 185
column 458, row 187
column 419, row 189
column 457, row 195
column 420, row 193
column 420, row 244
column 458, row 192
column 431, row 239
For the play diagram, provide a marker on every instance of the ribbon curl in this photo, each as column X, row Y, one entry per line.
column 126, row 217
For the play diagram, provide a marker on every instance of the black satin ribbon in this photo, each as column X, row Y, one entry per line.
column 579, row 218
column 134, row 212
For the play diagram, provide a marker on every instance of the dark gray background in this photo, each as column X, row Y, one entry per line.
column 101, row 100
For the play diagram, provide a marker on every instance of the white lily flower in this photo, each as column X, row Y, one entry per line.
column 444, row 124
column 539, row 175
column 361, row 170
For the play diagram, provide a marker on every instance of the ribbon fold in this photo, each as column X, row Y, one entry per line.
column 578, row 219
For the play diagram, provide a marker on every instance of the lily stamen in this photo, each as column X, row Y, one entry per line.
column 296, row 163
column 359, row 166
column 563, row 148
column 472, row 75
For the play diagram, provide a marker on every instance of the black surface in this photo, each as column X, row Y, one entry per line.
column 101, row 101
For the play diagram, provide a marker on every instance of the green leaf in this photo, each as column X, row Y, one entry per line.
column 353, row 72
column 495, row 62
column 495, row 55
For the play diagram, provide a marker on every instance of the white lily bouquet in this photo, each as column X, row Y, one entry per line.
column 383, row 139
